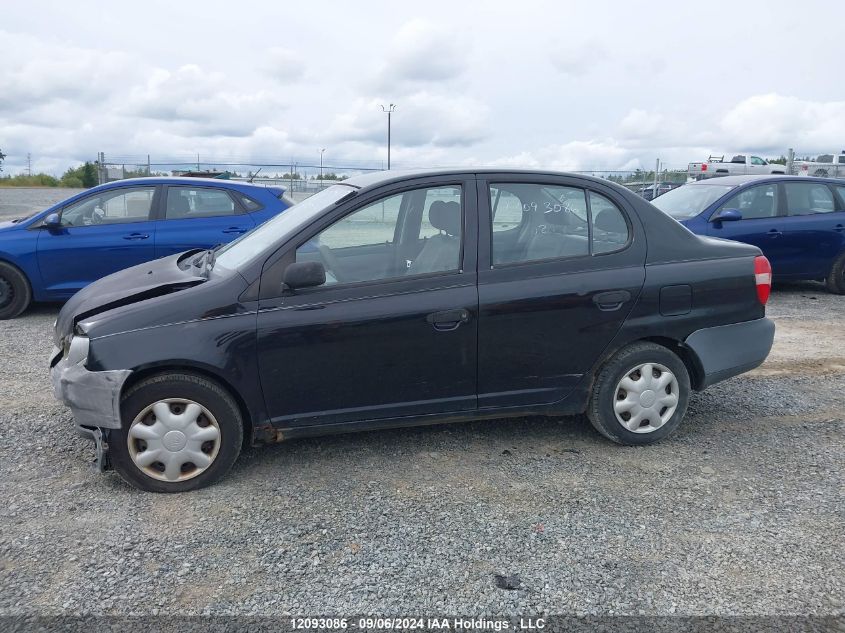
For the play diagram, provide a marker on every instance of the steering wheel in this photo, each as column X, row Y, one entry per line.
column 330, row 261
column 95, row 217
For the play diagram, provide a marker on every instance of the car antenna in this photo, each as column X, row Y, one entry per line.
column 252, row 177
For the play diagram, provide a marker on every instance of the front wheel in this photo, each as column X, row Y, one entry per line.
column 836, row 277
column 180, row 432
column 640, row 395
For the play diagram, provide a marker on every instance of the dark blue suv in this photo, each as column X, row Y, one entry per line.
column 53, row 254
column 798, row 222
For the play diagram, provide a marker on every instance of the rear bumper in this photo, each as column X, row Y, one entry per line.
column 729, row 350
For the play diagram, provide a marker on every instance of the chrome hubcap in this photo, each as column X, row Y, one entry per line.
column 174, row 439
column 646, row 398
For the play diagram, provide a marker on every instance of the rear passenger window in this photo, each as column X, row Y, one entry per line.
column 191, row 202
column 610, row 230
column 808, row 198
column 249, row 204
column 533, row 222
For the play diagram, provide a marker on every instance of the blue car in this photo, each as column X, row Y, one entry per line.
column 53, row 254
column 798, row 222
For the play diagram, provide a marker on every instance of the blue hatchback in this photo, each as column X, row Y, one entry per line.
column 51, row 255
column 798, row 222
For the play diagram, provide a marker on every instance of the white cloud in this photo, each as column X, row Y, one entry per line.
column 36, row 72
column 284, row 65
column 538, row 87
column 424, row 52
column 774, row 122
column 192, row 101
column 577, row 56
column 422, row 119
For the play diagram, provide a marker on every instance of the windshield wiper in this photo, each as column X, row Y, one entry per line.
column 209, row 260
column 206, row 259
column 200, row 259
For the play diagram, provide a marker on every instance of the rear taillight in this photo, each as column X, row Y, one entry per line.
column 704, row 167
column 763, row 278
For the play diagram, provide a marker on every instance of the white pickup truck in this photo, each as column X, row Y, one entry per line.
column 826, row 166
column 738, row 165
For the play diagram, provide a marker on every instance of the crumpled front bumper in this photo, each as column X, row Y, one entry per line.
column 93, row 396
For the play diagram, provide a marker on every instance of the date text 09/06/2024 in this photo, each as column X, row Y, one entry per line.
column 417, row 623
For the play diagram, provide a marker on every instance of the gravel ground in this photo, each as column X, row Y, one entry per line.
column 741, row 512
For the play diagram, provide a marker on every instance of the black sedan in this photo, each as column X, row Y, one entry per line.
column 398, row 299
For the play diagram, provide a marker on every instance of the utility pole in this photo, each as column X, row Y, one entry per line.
column 28, row 164
column 321, row 167
column 148, row 165
column 656, row 172
column 790, row 161
column 389, row 110
column 198, row 161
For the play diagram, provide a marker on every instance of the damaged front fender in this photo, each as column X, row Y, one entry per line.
column 93, row 396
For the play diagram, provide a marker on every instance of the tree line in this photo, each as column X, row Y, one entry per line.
column 81, row 177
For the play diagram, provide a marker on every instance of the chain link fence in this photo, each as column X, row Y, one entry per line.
column 302, row 178
column 820, row 165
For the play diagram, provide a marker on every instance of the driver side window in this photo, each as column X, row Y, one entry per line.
column 755, row 202
column 114, row 206
column 411, row 233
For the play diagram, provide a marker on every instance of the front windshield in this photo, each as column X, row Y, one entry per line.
column 689, row 200
column 254, row 243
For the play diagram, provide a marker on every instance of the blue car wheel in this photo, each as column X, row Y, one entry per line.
column 836, row 277
column 15, row 293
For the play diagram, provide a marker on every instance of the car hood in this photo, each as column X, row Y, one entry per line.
column 145, row 281
column 8, row 224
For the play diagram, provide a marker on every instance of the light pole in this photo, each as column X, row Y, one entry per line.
column 321, row 167
column 389, row 109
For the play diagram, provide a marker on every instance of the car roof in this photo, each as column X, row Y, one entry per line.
column 182, row 180
column 372, row 179
column 735, row 181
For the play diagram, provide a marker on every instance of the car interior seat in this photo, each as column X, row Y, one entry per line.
column 762, row 206
column 178, row 206
column 553, row 238
column 441, row 252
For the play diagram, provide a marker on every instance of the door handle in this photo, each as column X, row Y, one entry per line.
column 839, row 227
column 613, row 300
column 136, row 236
column 775, row 233
column 448, row 320
column 235, row 229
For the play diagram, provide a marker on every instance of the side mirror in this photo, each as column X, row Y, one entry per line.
column 304, row 275
column 727, row 215
column 52, row 221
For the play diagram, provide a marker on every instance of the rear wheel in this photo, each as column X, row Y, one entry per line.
column 15, row 292
column 836, row 277
column 180, row 432
column 640, row 395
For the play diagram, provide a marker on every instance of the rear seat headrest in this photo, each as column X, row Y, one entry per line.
column 445, row 216
column 610, row 221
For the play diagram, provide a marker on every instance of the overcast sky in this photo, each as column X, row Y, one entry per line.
column 561, row 85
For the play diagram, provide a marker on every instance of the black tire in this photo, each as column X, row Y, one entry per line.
column 15, row 291
column 172, row 385
column 836, row 279
column 600, row 409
